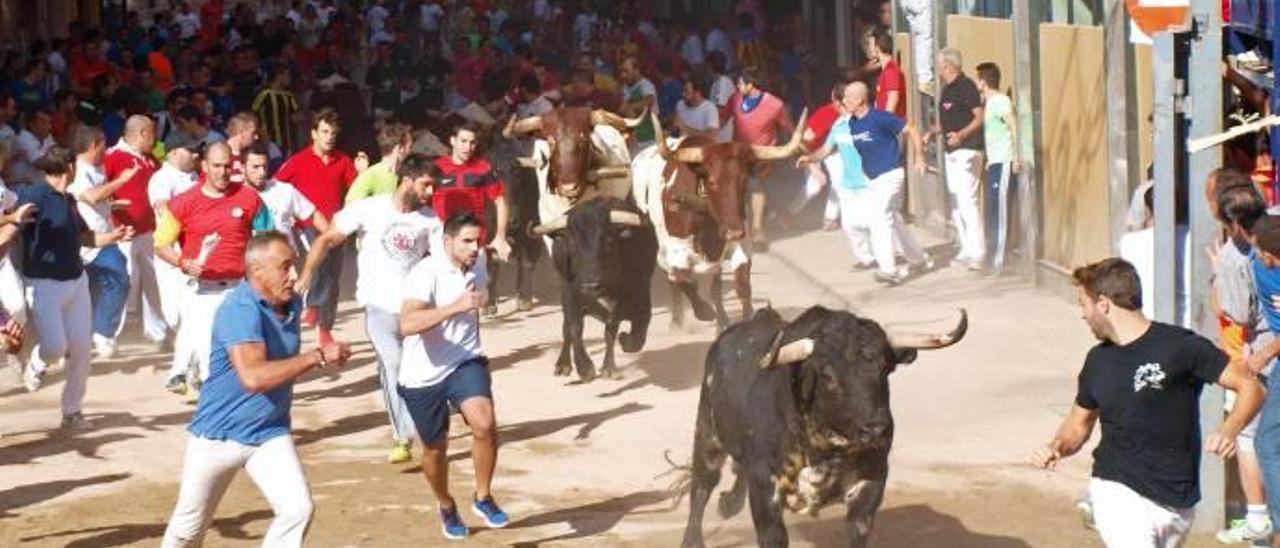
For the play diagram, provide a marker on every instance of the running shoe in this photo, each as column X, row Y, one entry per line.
column 33, row 377
column 74, row 421
column 451, row 524
column 400, row 453
column 1240, row 531
column 493, row 516
column 177, row 384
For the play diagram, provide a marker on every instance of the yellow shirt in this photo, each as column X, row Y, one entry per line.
column 377, row 180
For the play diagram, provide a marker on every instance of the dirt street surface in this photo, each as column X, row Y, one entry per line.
column 583, row 465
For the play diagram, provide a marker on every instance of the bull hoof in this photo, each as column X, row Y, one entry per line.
column 703, row 312
column 563, row 370
column 611, row 373
column 587, row 376
column 630, row 344
column 524, row 305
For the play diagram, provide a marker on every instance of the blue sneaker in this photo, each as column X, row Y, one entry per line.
column 451, row 524
column 493, row 516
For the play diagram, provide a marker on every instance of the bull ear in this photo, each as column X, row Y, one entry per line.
column 904, row 356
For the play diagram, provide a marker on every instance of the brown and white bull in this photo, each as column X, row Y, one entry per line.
column 696, row 197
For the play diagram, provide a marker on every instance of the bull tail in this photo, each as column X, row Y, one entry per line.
column 733, row 500
column 681, row 479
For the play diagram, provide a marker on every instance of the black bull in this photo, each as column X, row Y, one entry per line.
column 605, row 255
column 803, row 409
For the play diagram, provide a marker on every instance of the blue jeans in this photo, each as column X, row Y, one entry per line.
column 108, row 290
column 1267, row 444
column 1001, row 186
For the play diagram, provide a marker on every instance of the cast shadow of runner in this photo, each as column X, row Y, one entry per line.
column 132, row 533
column 912, row 525
column 27, row 495
column 592, row 519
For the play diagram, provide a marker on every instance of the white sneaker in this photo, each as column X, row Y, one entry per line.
column 104, row 347
column 33, row 374
column 1240, row 531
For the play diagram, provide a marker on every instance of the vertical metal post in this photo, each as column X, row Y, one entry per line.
column 1206, row 113
column 1027, row 15
column 1115, row 28
column 1168, row 90
column 844, row 33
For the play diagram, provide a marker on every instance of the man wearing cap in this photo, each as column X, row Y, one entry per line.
column 212, row 223
column 177, row 175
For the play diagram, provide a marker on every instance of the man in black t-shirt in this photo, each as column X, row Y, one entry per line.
column 1143, row 382
column 960, row 129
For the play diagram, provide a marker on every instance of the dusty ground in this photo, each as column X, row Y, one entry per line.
column 583, row 464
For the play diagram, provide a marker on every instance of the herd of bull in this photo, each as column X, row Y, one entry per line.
column 802, row 407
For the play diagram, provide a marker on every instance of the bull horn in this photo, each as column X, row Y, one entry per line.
column 608, row 172
column 769, row 153
column 527, row 161
column 554, row 225
column 603, row 117
column 792, row 352
column 523, row 127
column 686, row 155
column 926, row 341
column 627, row 218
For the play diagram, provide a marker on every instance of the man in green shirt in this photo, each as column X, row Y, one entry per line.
column 1000, row 130
column 394, row 140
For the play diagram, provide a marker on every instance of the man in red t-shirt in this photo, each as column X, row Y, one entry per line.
column 468, row 183
column 815, row 135
column 322, row 173
column 759, row 118
column 212, row 223
column 133, row 208
column 890, row 84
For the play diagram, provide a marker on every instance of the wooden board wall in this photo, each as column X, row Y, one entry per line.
column 1074, row 129
column 1146, row 106
column 981, row 40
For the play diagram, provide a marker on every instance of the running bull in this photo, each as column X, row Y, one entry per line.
column 695, row 196
column 605, row 255
column 803, row 409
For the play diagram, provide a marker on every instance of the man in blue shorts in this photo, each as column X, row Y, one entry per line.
column 442, row 363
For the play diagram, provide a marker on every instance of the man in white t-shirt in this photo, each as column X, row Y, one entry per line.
column 34, row 140
column 188, row 22
column 377, row 17
column 177, row 175
column 288, row 207
column 396, row 231
column 722, row 90
column 431, row 12
column 1139, row 248
column 691, row 48
column 105, row 266
column 695, row 115
column 443, row 363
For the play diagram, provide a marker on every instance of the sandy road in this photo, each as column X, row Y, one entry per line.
column 583, row 464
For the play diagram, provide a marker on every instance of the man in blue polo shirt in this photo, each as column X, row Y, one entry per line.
column 242, row 420
column 876, row 134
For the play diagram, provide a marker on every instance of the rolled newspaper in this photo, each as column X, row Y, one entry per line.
column 206, row 248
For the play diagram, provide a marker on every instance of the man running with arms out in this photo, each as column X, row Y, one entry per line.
column 397, row 231
column 1143, row 381
column 288, row 207
column 243, row 417
column 443, row 363
column 467, row 184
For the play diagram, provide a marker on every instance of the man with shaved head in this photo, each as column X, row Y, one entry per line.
column 132, row 154
column 212, row 224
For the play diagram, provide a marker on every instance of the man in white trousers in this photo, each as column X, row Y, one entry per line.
column 177, row 175
column 870, row 187
column 211, row 224
column 960, row 128
column 56, row 285
column 133, row 152
column 396, row 231
column 242, row 420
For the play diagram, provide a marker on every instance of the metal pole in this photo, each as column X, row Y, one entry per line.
column 1206, row 113
column 844, row 33
column 1117, row 78
column 1027, row 14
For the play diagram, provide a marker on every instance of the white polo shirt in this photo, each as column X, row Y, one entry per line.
column 428, row 358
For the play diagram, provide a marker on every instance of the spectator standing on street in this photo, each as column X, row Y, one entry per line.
column 396, row 231
column 1143, row 382
column 242, row 420
column 323, row 174
column 276, row 107
column 56, row 285
column 891, row 84
column 1000, row 138
column 960, row 130
column 443, row 363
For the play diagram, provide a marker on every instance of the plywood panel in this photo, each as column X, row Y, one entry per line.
column 983, row 40
column 1146, row 105
column 902, row 48
column 1074, row 130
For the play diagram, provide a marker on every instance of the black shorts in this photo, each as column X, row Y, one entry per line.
column 429, row 405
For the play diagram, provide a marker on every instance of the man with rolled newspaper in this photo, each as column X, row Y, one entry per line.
column 212, row 223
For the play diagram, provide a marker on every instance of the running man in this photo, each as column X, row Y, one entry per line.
column 242, row 420
column 444, row 364
column 396, row 231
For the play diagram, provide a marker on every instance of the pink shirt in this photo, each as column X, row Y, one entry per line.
column 761, row 125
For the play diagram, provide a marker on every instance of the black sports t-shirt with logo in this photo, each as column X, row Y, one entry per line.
column 958, row 100
column 1147, row 397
